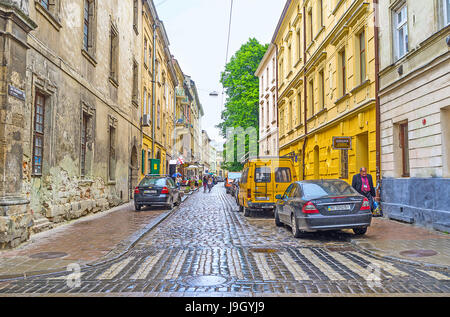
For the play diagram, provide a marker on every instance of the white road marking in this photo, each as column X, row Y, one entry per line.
column 146, row 267
column 115, row 269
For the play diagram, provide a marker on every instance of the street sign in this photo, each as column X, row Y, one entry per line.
column 16, row 92
column 342, row 143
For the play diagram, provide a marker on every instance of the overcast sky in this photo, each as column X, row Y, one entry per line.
column 198, row 30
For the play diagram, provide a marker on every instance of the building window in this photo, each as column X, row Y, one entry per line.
column 135, row 14
column 299, row 108
column 281, row 70
column 158, row 121
column 344, row 164
column 112, row 153
column 290, row 117
column 299, row 45
column 84, row 136
column 322, row 89
column 401, row 32
column 135, row 96
column 404, row 145
column 274, row 108
column 311, row 98
column 274, row 71
column 289, row 64
column 446, row 8
column 145, row 51
column 321, row 12
column 114, row 54
column 89, row 26
column 310, row 23
column 267, row 111
column 45, row 4
column 262, row 118
column 38, row 144
column 362, row 57
column 282, row 122
column 343, row 73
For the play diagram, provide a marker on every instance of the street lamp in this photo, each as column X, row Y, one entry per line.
column 214, row 94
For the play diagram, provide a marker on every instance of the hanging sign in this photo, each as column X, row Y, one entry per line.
column 342, row 143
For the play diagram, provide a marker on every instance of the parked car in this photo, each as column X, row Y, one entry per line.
column 156, row 190
column 231, row 177
column 262, row 179
column 234, row 188
column 309, row 206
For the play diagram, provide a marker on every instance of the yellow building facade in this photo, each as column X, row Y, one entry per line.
column 326, row 86
column 158, row 85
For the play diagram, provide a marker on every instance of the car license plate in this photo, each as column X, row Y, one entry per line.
column 149, row 191
column 339, row 207
column 262, row 198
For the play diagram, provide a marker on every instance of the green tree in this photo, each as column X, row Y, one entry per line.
column 242, row 89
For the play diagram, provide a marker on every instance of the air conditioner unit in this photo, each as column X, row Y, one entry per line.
column 146, row 120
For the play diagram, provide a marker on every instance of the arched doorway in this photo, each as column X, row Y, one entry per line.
column 133, row 172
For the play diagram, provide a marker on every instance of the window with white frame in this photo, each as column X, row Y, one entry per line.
column 401, row 31
column 446, row 7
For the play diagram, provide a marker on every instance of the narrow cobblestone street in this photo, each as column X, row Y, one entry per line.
column 208, row 247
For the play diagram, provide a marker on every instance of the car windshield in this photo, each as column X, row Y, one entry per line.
column 234, row 175
column 327, row 188
column 153, row 181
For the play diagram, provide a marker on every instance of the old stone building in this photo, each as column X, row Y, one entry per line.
column 415, row 110
column 70, row 110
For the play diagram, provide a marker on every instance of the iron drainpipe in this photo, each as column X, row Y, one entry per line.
column 305, row 92
column 377, row 98
column 153, row 89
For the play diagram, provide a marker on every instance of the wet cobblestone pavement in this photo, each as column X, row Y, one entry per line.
column 208, row 247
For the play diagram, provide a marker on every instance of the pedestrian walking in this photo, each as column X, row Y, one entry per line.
column 363, row 184
column 205, row 183
column 210, row 183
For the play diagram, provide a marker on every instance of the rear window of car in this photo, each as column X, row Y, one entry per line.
column 234, row 175
column 283, row 175
column 262, row 174
column 327, row 188
column 153, row 181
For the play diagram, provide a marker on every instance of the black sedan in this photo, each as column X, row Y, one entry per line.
column 156, row 191
column 309, row 206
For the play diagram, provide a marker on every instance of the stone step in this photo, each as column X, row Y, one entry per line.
column 401, row 218
column 41, row 224
column 442, row 226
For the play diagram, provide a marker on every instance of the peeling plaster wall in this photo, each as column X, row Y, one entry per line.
column 69, row 81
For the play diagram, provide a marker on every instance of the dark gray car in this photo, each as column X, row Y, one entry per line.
column 156, row 191
column 309, row 206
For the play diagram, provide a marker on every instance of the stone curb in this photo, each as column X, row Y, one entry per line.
column 121, row 249
column 379, row 253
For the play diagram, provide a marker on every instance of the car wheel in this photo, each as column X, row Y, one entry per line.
column 137, row 207
column 246, row 211
column 241, row 209
column 295, row 231
column 278, row 223
column 360, row 231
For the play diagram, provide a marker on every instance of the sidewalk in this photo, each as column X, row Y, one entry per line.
column 407, row 243
column 85, row 241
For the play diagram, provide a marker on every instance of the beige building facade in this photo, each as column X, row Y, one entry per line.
column 415, row 110
column 268, row 110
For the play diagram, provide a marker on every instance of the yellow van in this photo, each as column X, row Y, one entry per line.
column 262, row 179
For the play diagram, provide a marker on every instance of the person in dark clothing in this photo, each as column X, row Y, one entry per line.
column 363, row 184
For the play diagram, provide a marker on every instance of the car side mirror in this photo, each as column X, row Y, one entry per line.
column 278, row 197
